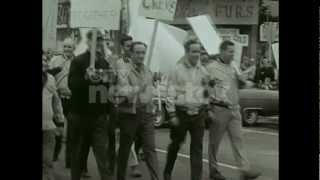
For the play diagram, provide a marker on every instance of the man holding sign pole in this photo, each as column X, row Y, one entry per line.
column 88, row 117
column 227, row 120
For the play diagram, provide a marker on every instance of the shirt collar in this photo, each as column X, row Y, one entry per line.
column 188, row 65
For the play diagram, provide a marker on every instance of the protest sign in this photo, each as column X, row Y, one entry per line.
column 49, row 24
column 269, row 30
column 234, row 34
column 208, row 36
column 158, row 9
column 96, row 13
column 167, row 41
column 275, row 49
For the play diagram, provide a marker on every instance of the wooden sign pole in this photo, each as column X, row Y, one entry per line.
column 93, row 48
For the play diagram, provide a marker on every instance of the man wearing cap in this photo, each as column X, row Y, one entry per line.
column 89, row 108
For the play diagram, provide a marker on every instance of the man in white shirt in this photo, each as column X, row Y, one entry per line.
column 59, row 66
column 228, row 120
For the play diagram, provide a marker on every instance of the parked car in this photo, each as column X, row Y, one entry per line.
column 258, row 102
column 254, row 103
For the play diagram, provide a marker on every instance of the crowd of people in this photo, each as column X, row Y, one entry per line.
column 110, row 103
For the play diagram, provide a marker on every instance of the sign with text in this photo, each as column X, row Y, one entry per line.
column 158, row 9
column 202, row 26
column 235, row 12
column 49, row 24
column 233, row 34
column 96, row 13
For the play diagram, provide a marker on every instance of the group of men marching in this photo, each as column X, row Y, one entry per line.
column 118, row 92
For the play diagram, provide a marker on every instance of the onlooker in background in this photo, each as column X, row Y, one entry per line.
column 265, row 74
column 248, row 68
column 51, row 109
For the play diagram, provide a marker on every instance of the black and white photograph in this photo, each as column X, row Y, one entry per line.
column 160, row 89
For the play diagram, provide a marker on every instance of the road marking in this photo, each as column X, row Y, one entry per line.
column 203, row 160
column 260, row 132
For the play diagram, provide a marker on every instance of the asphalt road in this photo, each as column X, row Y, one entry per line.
column 261, row 143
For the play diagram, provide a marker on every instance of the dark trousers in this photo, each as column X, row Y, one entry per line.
column 131, row 125
column 196, row 126
column 112, row 141
column 89, row 131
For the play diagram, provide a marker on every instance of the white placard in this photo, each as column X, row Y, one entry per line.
column 49, row 24
column 168, row 39
column 96, row 13
column 158, row 9
column 209, row 38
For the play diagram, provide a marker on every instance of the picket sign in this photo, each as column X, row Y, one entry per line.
column 95, row 14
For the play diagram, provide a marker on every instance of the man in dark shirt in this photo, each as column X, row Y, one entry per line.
column 89, row 109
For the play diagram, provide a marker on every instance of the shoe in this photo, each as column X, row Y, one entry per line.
column 166, row 176
column 247, row 175
column 217, row 176
column 135, row 172
column 85, row 175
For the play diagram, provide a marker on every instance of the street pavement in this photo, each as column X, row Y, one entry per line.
column 261, row 143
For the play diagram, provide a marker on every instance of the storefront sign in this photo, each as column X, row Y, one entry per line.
column 244, row 12
column 158, row 9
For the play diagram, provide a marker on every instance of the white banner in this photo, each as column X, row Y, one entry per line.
column 158, row 9
column 49, row 24
column 96, row 13
column 206, row 33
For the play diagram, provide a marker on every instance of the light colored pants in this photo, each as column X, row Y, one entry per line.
column 229, row 121
column 48, row 143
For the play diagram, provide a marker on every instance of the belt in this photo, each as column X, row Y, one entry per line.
column 65, row 97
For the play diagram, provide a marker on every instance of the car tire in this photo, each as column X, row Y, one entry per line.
column 250, row 117
column 159, row 119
